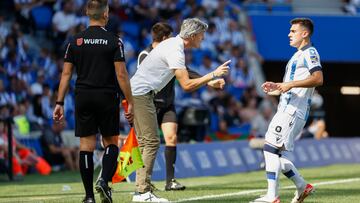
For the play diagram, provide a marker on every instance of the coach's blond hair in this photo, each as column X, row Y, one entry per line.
column 192, row 26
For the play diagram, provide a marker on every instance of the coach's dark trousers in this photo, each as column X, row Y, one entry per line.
column 146, row 129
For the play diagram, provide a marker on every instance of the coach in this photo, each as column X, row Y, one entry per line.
column 164, row 62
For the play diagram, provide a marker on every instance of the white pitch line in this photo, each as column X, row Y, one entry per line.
column 246, row 192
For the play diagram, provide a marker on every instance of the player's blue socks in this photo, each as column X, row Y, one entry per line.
column 272, row 166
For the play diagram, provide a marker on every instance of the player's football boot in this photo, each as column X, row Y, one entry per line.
column 299, row 198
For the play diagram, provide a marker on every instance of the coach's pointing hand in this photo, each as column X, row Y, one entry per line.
column 222, row 69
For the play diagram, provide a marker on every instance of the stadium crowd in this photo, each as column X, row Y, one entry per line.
column 35, row 33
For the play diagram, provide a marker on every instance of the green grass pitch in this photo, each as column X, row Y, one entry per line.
column 334, row 184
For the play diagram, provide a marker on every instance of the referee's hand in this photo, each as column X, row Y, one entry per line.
column 58, row 113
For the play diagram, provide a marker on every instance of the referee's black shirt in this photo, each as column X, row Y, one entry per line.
column 93, row 53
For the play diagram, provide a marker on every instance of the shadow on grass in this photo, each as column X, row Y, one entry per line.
column 226, row 186
column 66, row 194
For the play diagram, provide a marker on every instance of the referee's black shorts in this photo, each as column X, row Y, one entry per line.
column 166, row 114
column 96, row 111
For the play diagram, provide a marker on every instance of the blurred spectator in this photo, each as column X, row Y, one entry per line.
column 352, row 6
column 316, row 126
column 22, row 124
column 316, row 129
column 207, row 65
column 22, row 12
column 5, row 96
column 241, row 78
column 4, row 29
column 63, row 21
column 23, row 157
column 55, row 152
column 166, row 8
column 260, row 123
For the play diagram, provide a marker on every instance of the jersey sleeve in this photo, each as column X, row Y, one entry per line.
column 69, row 54
column 119, row 53
column 312, row 60
column 142, row 56
column 176, row 60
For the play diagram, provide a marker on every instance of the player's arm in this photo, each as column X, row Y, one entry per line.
column 314, row 80
column 188, row 84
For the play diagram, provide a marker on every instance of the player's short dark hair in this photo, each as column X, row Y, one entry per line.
column 305, row 22
column 160, row 30
column 95, row 8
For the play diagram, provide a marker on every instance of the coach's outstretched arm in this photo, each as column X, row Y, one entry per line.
column 124, row 83
column 189, row 85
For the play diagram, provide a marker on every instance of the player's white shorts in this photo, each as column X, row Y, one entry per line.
column 283, row 129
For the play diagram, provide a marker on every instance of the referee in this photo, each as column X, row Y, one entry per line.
column 98, row 57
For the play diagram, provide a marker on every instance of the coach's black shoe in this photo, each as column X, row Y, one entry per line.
column 88, row 200
column 174, row 185
column 104, row 190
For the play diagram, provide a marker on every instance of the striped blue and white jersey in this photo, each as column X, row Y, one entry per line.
column 301, row 65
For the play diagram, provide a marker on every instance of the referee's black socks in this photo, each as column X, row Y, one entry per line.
column 86, row 165
column 109, row 162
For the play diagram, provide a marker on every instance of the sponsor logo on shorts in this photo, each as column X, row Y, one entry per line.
column 278, row 129
column 291, row 123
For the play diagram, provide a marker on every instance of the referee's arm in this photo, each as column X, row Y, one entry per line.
column 64, row 81
column 58, row 113
column 123, row 80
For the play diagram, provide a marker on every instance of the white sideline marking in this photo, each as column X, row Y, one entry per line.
column 246, row 192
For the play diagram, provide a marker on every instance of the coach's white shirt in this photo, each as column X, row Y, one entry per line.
column 157, row 69
column 297, row 100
